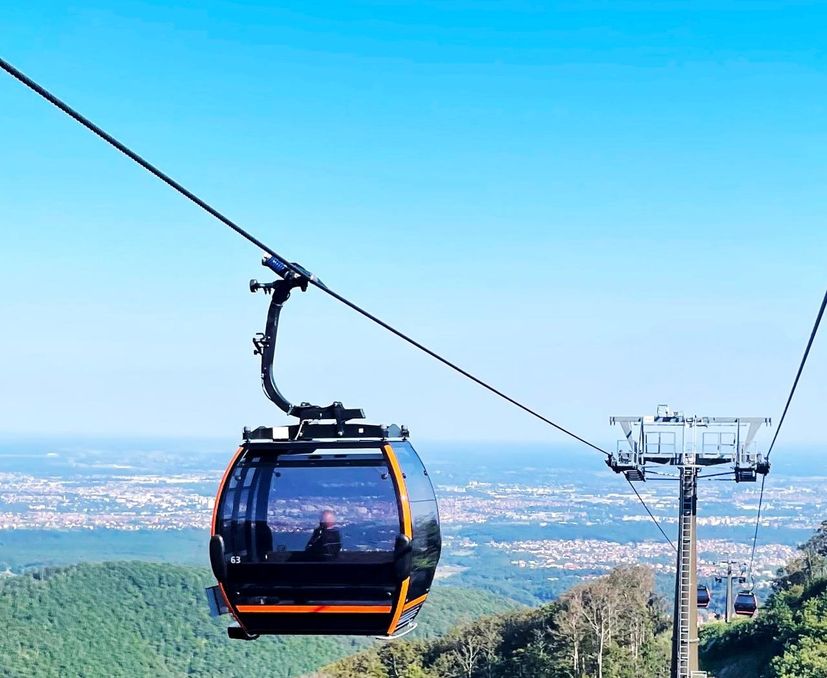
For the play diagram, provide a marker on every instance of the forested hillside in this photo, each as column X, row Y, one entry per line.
column 617, row 627
column 614, row 626
column 142, row 619
column 788, row 638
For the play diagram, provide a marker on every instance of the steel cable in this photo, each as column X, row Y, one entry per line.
column 757, row 523
column 813, row 333
column 651, row 515
column 88, row 124
column 798, row 374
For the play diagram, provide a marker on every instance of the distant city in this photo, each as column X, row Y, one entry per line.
column 548, row 521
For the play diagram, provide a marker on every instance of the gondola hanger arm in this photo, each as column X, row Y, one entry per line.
column 264, row 344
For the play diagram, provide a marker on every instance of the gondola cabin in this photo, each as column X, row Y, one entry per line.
column 703, row 596
column 745, row 603
column 323, row 535
column 325, row 526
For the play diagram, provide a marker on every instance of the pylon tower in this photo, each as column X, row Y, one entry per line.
column 671, row 439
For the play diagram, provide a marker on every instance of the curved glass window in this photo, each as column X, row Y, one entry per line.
column 416, row 477
column 426, row 544
column 308, row 510
column 326, row 510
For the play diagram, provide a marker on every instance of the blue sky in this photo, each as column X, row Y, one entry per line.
column 597, row 206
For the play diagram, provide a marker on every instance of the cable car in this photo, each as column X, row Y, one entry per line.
column 327, row 526
column 745, row 603
column 326, row 535
column 703, row 596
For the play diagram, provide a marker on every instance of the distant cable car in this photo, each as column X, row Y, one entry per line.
column 745, row 603
column 323, row 527
column 703, row 596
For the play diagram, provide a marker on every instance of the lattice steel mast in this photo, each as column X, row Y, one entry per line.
column 670, row 438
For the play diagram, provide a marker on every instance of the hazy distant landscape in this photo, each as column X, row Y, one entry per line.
column 528, row 217
column 524, row 522
column 522, row 525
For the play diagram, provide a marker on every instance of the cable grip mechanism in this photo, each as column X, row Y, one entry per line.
column 264, row 344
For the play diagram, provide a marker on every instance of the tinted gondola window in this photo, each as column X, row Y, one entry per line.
column 238, row 510
column 416, row 477
column 322, row 511
column 426, row 544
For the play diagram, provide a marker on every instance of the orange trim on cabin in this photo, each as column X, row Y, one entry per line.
column 400, row 603
column 221, row 488
column 213, row 530
column 414, row 602
column 402, row 488
column 316, row 609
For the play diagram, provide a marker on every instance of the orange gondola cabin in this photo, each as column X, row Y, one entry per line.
column 327, row 526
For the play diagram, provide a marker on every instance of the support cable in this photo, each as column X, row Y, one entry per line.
column 798, row 374
column 172, row 183
column 713, row 475
column 781, row 423
column 651, row 515
column 757, row 524
column 660, row 476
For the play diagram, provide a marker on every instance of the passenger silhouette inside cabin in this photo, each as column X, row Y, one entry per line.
column 325, row 542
